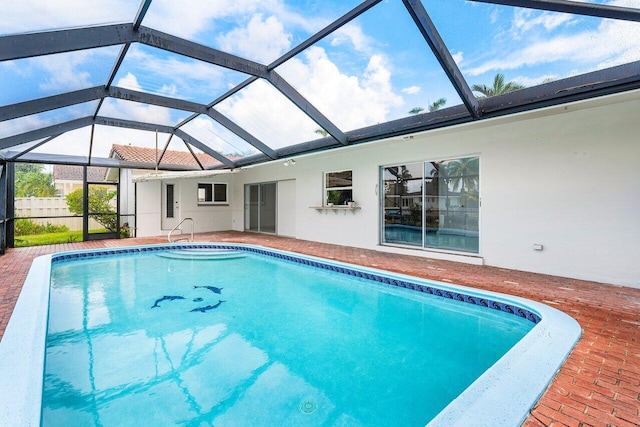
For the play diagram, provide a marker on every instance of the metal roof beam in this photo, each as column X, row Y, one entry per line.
column 192, row 154
column 349, row 16
column 131, row 124
column 233, row 127
column 45, row 132
column 64, row 159
column 622, row 78
column 237, row 88
column 193, row 50
column 159, row 100
column 344, row 19
column 432, row 37
column 142, row 11
column 28, row 45
column 48, row 103
column 575, row 7
column 309, row 109
column 23, row 152
column 112, row 75
column 205, row 148
column 618, row 79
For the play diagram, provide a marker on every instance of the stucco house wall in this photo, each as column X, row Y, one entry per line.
column 205, row 217
column 565, row 177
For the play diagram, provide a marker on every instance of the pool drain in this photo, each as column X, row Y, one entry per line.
column 308, row 406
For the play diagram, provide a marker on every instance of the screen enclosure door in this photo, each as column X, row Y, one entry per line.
column 101, row 221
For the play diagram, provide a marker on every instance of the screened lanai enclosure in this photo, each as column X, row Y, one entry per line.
column 249, row 82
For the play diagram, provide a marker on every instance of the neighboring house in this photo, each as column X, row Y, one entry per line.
column 170, row 158
column 67, row 178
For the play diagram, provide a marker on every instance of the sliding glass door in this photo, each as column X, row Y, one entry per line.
column 402, row 201
column 260, row 207
column 432, row 204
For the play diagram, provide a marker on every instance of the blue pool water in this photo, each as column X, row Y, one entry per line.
column 160, row 338
column 443, row 238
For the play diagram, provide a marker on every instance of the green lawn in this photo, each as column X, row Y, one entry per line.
column 51, row 238
column 48, row 239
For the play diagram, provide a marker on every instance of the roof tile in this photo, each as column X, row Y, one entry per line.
column 133, row 153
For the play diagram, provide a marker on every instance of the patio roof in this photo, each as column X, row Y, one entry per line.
column 250, row 82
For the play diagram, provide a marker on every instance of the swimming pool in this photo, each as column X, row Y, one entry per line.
column 273, row 355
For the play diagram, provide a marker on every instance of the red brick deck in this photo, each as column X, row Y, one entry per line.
column 599, row 385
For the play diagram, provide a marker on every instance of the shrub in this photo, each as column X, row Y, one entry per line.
column 26, row 227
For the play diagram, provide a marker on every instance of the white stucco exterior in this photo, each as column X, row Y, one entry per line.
column 566, row 177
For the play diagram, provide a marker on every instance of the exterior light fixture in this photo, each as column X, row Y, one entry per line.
column 289, row 162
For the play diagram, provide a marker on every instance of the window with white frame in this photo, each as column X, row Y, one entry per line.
column 338, row 187
column 212, row 193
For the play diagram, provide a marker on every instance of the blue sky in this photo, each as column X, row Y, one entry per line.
column 375, row 69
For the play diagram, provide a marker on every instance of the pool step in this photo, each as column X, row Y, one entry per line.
column 202, row 254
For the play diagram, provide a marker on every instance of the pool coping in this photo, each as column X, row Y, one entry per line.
column 523, row 373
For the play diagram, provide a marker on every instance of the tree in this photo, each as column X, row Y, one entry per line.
column 322, row 132
column 32, row 181
column 437, row 105
column 433, row 107
column 498, row 88
column 100, row 207
column 463, row 175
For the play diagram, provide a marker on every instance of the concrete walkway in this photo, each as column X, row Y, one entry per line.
column 599, row 385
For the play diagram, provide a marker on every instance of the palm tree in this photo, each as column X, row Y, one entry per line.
column 463, row 174
column 498, row 88
column 437, row 105
column 416, row 110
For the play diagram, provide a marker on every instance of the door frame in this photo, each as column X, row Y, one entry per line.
column 86, row 236
column 247, row 206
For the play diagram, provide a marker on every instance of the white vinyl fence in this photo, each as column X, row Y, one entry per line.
column 29, row 207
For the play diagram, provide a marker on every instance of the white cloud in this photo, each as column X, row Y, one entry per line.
column 169, row 90
column 176, row 67
column 458, row 58
column 119, row 108
column 48, row 118
column 129, row 81
column 495, row 15
column 217, row 137
column 193, row 18
column 37, row 15
column 22, row 124
column 352, row 33
column 174, row 75
column 73, row 143
column 534, row 81
column 261, row 40
column 612, row 43
column 190, row 17
column 349, row 101
column 62, row 71
column 258, row 107
column 526, row 20
column 411, row 90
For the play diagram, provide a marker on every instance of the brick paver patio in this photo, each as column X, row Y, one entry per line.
column 599, row 385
